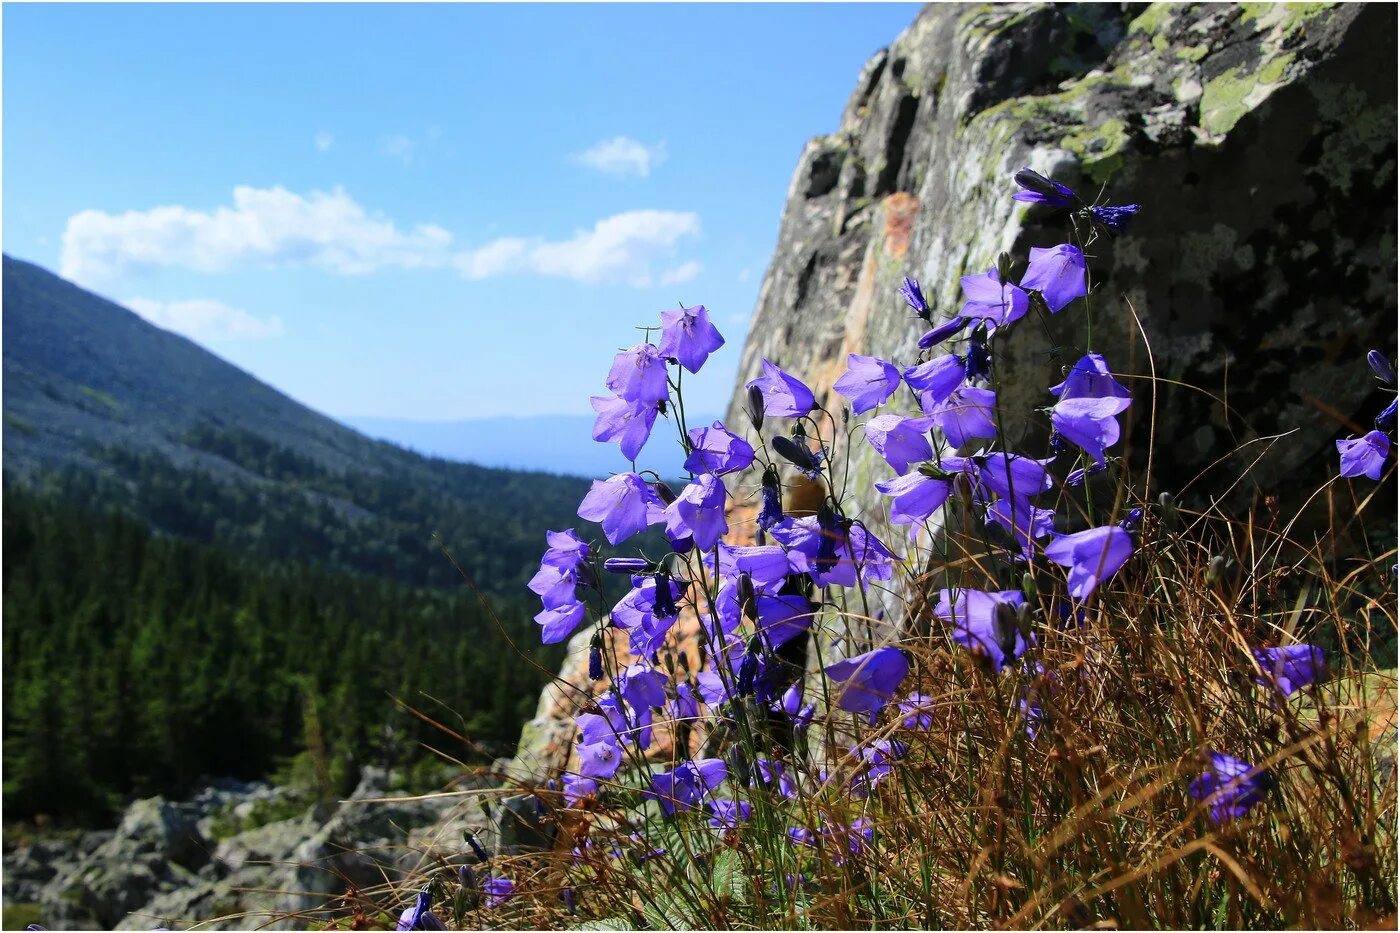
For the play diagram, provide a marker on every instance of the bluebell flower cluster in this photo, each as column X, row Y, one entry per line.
column 705, row 734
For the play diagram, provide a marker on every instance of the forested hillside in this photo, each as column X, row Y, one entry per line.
column 203, row 577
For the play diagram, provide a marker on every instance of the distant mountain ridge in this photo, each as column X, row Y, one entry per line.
column 554, row 443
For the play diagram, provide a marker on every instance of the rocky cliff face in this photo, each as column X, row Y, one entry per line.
column 1259, row 140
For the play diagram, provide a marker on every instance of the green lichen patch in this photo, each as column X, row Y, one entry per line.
column 1223, row 101
column 1100, row 148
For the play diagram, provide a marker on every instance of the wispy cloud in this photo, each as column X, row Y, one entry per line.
column 620, row 248
column 397, row 146
column 682, row 273
column 331, row 231
column 324, row 141
column 622, row 156
column 206, row 320
column 269, row 226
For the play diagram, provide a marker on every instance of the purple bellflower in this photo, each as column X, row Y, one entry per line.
column 1012, row 476
column 1380, row 365
column 556, row 581
column 1023, row 521
column 716, row 450
column 498, row 891
column 688, row 337
column 1092, row 556
column 1230, row 787
column 646, row 618
column 1037, row 189
column 1090, row 378
column 623, row 504
column 628, row 423
column 578, row 788
column 1291, row 668
column 935, row 380
column 642, row 687
column 728, row 814
column 868, row 682
column 1091, row 424
column 687, row 785
column 833, row 556
column 600, row 747
column 698, row 512
column 420, row 916
column 973, row 616
column 867, row 382
column 784, row 395
column 901, row 441
column 1058, row 273
column 766, row 565
column 557, row 623
column 991, row 300
column 915, row 497
column 966, row 414
column 638, row 374
column 918, row 710
column 1364, row 456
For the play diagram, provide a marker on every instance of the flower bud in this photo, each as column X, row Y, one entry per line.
column 1004, row 267
column 595, row 658
column 1004, row 627
column 627, row 565
column 796, row 454
column 667, row 494
column 481, row 854
column 943, row 331
column 1028, row 589
column 1166, row 506
column 754, row 407
column 665, row 607
column 1385, row 421
column 1384, row 371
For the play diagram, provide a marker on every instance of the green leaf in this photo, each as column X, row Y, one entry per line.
column 727, row 878
column 611, row 923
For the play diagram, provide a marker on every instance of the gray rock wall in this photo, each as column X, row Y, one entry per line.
column 1260, row 141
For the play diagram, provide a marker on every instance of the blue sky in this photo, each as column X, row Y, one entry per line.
column 428, row 211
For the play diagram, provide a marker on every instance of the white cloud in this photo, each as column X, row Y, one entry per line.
column 274, row 227
column 620, row 248
column 267, row 226
column 396, row 146
column 622, row 156
column 682, row 273
column 745, row 274
column 205, row 320
column 324, row 141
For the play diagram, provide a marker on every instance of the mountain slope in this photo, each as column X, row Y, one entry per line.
column 117, row 411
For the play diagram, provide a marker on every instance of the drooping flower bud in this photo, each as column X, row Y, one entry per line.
column 1005, row 629
column 1114, row 218
column 665, row 607
column 481, row 854
column 977, row 364
column 570, row 900
column 748, row 606
column 796, row 454
column 914, row 297
column 1384, row 371
column 626, row 565
column 595, row 658
column 1078, row 476
column 1385, row 421
column 772, row 511
column 943, row 331
column 754, row 407
column 665, row 492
